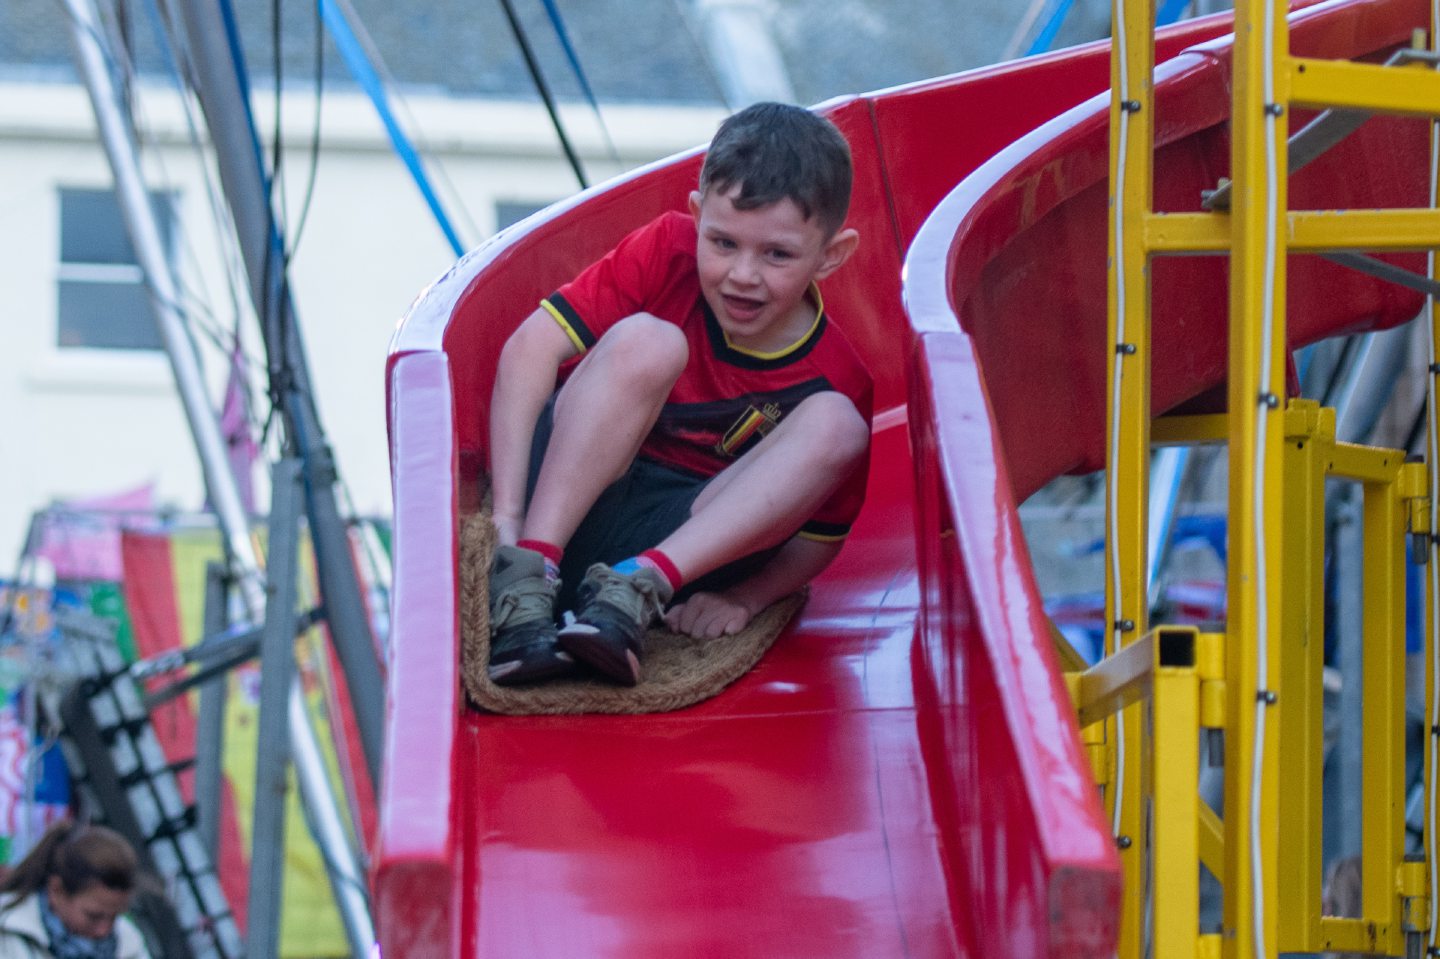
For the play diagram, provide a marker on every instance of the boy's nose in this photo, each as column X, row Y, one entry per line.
column 745, row 270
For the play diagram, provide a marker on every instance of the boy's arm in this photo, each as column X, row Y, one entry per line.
column 524, row 380
column 711, row 615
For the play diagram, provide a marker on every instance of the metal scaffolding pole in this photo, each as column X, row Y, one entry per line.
column 123, row 154
column 1167, row 476
column 277, row 678
column 285, row 722
column 120, row 148
column 1377, row 369
column 210, row 723
column 217, row 76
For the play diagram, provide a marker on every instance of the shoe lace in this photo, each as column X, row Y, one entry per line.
column 531, row 599
column 634, row 595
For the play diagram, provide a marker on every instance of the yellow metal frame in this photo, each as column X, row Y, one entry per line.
column 1132, row 139
column 1304, row 231
column 1163, row 671
column 1418, row 891
column 1181, row 677
column 1389, row 488
column 1265, row 672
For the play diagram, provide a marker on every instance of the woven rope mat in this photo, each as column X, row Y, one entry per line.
column 679, row 671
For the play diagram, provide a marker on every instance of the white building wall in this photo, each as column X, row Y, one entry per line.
column 81, row 423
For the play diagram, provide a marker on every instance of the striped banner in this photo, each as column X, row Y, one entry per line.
column 165, row 596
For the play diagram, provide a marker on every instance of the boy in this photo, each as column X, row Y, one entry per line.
column 710, row 446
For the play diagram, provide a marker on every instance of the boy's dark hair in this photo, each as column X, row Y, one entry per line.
column 775, row 151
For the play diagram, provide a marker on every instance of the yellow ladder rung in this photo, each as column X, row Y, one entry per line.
column 1312, row 231
column 1308, row 231
column 1187, row 233
column 1353, row 935
column 1408, row 90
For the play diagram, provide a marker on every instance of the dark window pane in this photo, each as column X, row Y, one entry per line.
column 508, row 212
column 112, row 316
column 92, row 229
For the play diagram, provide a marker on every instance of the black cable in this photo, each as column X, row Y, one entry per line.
column 177, row 61
column 289, row 383
column 1417, row 427
column 117, row 46
column 563, row 35
column 702, row 56
column 275, row 288
column 277, row 153
column 544, row 89
column 121, row 46
column 1347, row 347
column 314, row 136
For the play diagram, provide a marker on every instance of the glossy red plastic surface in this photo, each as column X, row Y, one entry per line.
column 1016, row 253
column 900, row 775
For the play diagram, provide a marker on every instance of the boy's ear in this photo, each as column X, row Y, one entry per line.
column 837, row 251
column 695, row 197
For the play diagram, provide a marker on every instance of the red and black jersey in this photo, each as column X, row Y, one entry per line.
column 728, row 397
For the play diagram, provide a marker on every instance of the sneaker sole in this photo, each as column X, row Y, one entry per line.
column 519, row 671
column 589, row 646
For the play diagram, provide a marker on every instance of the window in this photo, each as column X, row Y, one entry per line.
column 510, row 212
column 103, row 303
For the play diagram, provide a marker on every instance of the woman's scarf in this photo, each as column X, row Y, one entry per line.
column 66, row 945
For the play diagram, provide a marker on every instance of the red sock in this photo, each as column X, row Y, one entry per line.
column 550, row 551
column 667, row 568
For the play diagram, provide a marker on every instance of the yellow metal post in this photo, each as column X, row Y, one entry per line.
column 1175, row 727
column 1432, row 926
column 1210, row 665
column 1432, row 649
column 1383, row 758
column 1128, row 404
column 1432, row 574
column 1256, row 383
column 1309, row 438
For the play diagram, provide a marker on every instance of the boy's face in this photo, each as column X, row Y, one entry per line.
column 756, row 265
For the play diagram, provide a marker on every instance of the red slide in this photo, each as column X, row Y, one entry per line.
column 900, row 775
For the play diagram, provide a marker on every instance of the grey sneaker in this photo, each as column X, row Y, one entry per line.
column 615, row 610
column 523, row 648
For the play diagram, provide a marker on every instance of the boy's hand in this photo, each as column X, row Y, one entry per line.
column 709, row 616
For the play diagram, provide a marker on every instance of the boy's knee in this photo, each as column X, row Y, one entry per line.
column 647, row 347
column 843, row 433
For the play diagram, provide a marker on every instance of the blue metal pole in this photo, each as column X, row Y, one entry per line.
column 365, row 74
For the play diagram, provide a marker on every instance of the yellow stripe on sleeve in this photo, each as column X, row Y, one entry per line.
column 564, row 325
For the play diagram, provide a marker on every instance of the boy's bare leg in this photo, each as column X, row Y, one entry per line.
column 758, row 502
column 766, row 495
column 603, row 413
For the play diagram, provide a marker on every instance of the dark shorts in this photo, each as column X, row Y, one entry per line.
column 633, row 514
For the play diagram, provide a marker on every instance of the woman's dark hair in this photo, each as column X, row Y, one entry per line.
column 776, row 151
column 79, row 856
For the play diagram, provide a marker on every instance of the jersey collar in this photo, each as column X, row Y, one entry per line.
column 757, row 359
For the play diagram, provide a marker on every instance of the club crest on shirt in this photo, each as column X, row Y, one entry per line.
column 753, row 424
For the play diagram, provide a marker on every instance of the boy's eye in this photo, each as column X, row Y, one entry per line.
column 781, row 255
column 724, row 243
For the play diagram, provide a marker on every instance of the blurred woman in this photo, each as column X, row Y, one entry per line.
column 67, row 898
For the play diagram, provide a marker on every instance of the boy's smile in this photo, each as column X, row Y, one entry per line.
column 756, row 265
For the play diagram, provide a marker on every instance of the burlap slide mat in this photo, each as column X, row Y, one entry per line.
column 679, row 670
